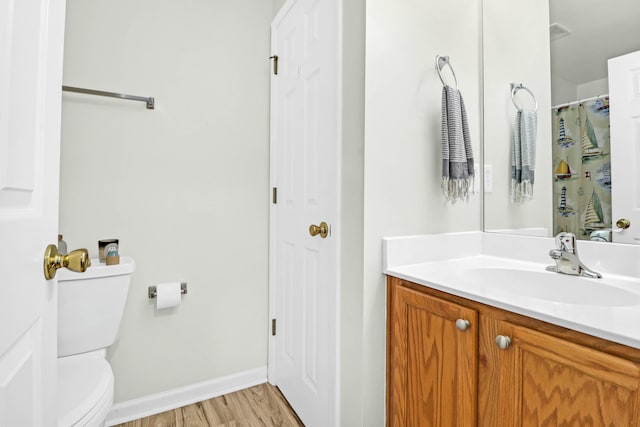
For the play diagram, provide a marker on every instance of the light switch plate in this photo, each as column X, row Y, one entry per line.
column 488, row 178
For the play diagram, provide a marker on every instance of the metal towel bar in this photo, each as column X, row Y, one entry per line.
column 150, row 101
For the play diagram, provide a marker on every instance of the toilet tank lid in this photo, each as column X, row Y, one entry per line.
column 99, row 269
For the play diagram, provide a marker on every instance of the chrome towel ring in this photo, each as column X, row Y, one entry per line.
column 441, row 61
column 515, row 87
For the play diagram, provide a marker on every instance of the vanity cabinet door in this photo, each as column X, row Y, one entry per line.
column 540, row 380
column 432, row 361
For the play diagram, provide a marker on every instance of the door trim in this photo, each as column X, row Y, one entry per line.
column 271, row 375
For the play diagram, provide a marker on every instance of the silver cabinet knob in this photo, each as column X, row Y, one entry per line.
column 463, row 324
column 503, row 342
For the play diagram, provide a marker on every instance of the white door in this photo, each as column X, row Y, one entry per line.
column 305, row 143
column 624, row 102
column 31, row 46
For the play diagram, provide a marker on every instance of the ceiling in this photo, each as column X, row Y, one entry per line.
column 599, row 30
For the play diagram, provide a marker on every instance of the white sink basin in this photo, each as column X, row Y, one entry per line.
column 508, row 272
column 553, row 287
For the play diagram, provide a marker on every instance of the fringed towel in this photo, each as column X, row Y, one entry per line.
column 457, row 155
column 523, row 156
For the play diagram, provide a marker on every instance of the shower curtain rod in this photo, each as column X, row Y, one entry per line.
column 150, row 101
column 579, row 101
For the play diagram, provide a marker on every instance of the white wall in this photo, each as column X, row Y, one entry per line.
column 184, row 187
column 516, row 50
column 402, row 146
column 277, row 4
column 562, row 91
column 593, row 88
column 352, row 213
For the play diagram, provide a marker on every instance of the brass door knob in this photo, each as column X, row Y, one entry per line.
column 77, row 260
column 623, row 223
column 322, row 229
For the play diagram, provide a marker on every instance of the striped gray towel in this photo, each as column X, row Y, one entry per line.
column 457, row 155
column 523, row 156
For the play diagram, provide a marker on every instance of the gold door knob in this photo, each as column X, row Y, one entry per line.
column 77, row 260
column 623, row 223
column 322, row 229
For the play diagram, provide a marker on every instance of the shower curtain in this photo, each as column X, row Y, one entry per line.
column 581, row 168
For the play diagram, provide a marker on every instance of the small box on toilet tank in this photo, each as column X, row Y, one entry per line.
column 108, row 251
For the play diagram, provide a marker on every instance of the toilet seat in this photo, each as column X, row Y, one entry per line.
column 85, row 390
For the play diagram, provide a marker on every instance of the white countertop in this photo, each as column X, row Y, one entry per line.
column 443, row 262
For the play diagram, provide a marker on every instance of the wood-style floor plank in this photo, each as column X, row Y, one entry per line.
column 259, row 406
column 193, row 415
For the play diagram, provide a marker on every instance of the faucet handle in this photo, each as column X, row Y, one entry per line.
column 566, row 242
column 555, row 253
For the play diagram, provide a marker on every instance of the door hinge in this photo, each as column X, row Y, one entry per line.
column 275, row 64
column 274, row 195
column 273, row 326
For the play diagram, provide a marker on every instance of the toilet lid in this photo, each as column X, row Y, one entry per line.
column 85, row 389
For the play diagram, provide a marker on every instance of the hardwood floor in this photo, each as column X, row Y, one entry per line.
column 259, row 406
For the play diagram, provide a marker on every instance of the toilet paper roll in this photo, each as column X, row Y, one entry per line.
column 168, row 295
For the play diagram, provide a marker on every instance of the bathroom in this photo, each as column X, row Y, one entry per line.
column 186, row 189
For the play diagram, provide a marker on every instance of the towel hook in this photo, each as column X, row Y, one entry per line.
column 515, row 87
column 441, row 61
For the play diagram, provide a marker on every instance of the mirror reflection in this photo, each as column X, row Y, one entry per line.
column 561, row 51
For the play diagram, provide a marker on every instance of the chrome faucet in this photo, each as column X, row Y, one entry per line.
column 566, row 258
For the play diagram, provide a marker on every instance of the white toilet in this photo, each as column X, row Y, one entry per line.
column 90, row 307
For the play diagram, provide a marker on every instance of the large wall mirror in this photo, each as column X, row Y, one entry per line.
column 556, row 55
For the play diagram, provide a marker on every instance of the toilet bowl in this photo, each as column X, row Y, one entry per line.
column 90, row 307
column 85, row 390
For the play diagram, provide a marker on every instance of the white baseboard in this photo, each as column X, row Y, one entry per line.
column 155, row 403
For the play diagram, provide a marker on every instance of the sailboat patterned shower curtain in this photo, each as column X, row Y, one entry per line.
column 582, row 168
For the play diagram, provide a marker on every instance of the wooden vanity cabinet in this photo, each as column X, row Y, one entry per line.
column 432, row 362
column 542, row 380
column 546, row 375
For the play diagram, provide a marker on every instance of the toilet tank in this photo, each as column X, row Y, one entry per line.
column 90, row 305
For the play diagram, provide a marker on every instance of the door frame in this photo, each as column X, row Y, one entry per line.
column 335, row 226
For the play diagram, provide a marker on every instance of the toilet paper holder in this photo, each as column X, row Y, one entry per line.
column 153, row 291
